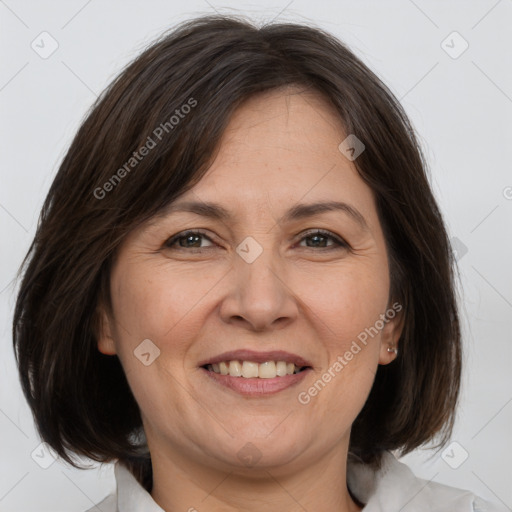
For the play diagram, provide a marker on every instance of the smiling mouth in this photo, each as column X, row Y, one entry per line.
column 253, row 370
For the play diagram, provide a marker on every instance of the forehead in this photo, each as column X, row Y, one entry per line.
column 280, row 148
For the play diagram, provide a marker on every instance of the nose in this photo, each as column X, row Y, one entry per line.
column 259, row 294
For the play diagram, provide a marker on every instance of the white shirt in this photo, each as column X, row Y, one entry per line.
column 393, row 488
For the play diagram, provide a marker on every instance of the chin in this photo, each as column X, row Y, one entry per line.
column 268, row 452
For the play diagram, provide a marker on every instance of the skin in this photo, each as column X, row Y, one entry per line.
column 308, row 298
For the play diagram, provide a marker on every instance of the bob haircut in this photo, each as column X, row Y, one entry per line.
column 104, row 188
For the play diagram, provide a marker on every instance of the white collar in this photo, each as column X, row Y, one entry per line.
column 131, row 496
column 393, row 487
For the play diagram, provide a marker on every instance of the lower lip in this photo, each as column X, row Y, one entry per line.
column 256, row 386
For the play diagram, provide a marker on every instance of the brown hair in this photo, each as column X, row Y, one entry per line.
column 80, row 398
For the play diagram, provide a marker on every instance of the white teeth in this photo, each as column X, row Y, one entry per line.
column 281, row 368
column 250, row 369
column 267, row 370
column 235, row 369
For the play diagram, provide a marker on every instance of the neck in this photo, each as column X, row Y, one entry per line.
column 180, row 483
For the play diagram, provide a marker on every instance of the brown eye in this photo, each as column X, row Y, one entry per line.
column 319, row 236
column 187, row 240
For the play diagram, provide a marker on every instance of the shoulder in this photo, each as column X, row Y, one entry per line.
column 395, row 487
column 108, row 504
column 444, row 498
column 129, row 495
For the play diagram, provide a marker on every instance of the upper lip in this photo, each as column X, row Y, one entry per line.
column 257, row 357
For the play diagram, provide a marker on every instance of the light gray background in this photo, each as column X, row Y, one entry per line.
column 461, row 108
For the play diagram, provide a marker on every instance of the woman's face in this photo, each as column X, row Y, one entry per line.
column 257, row 280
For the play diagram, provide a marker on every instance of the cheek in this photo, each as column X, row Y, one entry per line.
column 351, row 308
column 153, row 303
column 150, row 301
column 164, row 304
column 347, row 300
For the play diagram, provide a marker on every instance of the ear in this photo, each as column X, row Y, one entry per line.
column 106, row 343
column 391, row 332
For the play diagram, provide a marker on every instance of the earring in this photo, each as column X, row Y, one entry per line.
column 393, row 349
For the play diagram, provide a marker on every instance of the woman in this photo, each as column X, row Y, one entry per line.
column 241, row 288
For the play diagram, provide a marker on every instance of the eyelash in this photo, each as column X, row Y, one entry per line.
column 339, row 243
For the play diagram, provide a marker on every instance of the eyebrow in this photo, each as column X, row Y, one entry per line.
column 297, row 212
